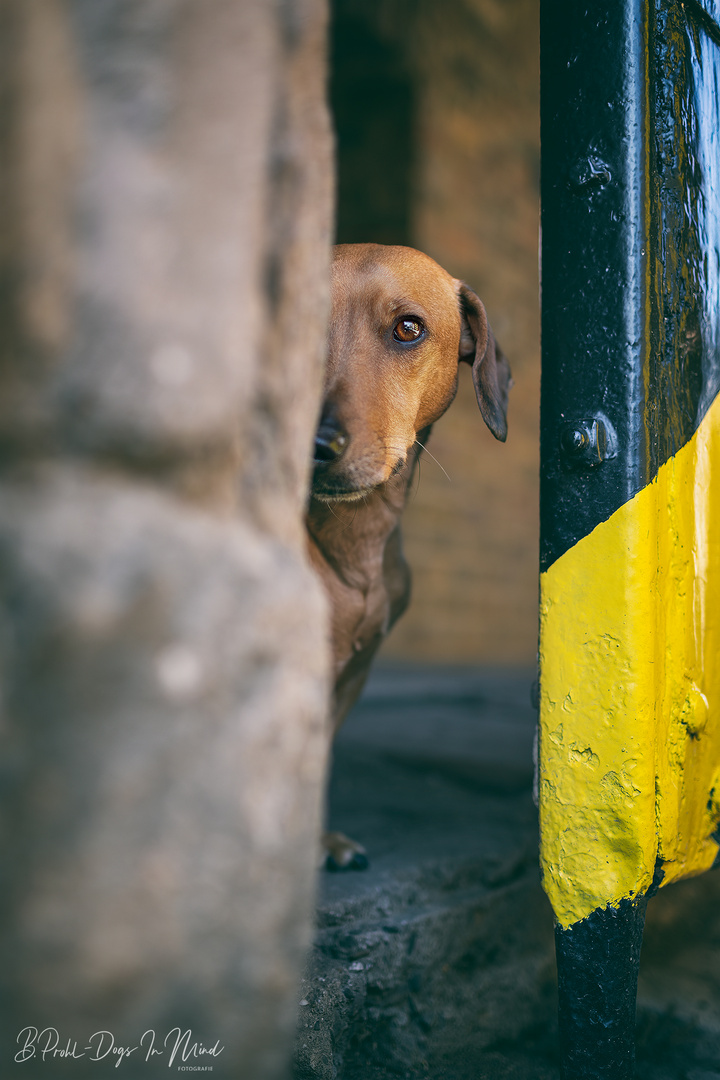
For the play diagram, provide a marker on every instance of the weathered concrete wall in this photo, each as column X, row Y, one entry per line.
column 164, row 244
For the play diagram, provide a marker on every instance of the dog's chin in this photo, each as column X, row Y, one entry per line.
column 332, row 489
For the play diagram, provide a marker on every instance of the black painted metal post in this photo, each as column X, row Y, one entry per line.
column 593, row 64
column 598, row 962
column 593, row 88
column 630, row 110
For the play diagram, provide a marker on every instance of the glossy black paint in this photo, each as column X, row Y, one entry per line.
column 683, row 369
column 598, row 961
column 593, row 180
column 630, row 119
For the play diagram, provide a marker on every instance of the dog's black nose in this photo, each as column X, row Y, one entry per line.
column 330, row 442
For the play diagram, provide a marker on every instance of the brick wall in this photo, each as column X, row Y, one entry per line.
column 472, row 135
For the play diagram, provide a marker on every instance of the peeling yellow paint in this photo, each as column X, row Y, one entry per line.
column 630, row 691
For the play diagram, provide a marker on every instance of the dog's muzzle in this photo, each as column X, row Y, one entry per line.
column 336, row 475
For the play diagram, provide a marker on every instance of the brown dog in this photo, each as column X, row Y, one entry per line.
column 399, row 325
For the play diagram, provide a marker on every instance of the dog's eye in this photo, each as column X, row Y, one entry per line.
column 407, row 330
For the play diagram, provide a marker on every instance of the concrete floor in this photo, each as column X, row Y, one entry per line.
column 438, row 960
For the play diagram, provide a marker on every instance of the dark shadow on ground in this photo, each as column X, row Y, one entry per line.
column 438, row 960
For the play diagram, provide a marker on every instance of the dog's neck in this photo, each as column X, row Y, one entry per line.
column 352, row 535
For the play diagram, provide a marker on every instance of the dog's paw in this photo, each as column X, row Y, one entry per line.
column 342, row 853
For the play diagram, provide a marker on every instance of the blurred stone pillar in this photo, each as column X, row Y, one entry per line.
column 164, row 242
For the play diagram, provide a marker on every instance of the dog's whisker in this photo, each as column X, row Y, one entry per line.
column 345, row 524
column 384, row 499
column 433, row 457
column 416, row 479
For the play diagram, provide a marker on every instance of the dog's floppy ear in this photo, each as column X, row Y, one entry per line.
column 490, row 369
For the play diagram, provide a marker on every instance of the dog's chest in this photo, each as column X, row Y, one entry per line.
column 367, row 581
column 372, row 610
column 363, row 596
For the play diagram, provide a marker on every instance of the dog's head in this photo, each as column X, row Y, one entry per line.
column 399, row 326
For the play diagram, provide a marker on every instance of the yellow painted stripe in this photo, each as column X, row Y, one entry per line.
column 630, row 691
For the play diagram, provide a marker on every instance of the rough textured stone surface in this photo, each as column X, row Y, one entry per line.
column 163, row 266
column 438, row 960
